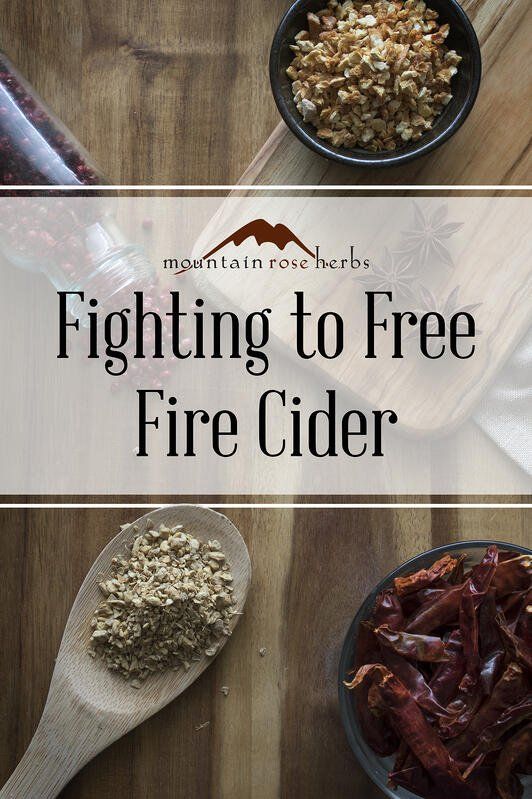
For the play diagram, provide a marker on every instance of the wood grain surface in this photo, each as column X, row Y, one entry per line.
column 278, row 732
column 178, row 92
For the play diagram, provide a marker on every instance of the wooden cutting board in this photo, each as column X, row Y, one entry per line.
column 491, row 269
column 431, row 402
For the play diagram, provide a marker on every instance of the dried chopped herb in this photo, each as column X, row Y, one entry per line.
column 443, row 677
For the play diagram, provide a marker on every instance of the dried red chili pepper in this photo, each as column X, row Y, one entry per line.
column 511, row 605
column 421, row 737
column 516, row 753
column 516, row 646
column 425, row 648
column 483, row 783
column 467, row 704
column 513, row 686
column 511, row 717
column 425, row 578
column 375, row 728
column 444, row 610
column 523, row 628
column 473, row 594
column 377, row 732
column 448, row 676
column 414, row 680
column 403, row 757
column 367, row 646
column 388, row 611
column 411, row 603
column 457, row 577
column 491, row 647
column 512, row 575
column 506, row 554
column 450, row 660
column 413, row 778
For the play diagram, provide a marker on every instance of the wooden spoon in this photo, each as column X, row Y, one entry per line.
column 88, row 707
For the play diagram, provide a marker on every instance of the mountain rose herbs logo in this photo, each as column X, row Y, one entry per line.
column 264, row 233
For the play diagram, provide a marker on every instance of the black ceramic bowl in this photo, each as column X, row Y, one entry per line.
column 378, row 767
column 465, row 85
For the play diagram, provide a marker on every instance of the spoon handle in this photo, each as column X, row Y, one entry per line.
column 67, row 737
column 47, row 765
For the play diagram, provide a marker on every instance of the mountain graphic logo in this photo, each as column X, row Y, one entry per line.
column 263, row 232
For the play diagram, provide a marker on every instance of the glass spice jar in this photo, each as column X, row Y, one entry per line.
column 35, row 147
column 75, row 242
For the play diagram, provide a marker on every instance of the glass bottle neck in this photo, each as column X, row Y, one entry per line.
column 111, row 265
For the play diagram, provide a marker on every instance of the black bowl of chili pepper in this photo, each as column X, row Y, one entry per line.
column 435, row 677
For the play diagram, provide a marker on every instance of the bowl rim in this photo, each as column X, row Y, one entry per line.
column 345, row 662
column 350, row 157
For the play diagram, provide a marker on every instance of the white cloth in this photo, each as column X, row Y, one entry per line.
column 505, row 413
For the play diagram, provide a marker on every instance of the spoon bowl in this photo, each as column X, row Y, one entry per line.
column 88, row 706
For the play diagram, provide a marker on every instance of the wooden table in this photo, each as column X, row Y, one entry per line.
column 278, row 732
column 178, row 92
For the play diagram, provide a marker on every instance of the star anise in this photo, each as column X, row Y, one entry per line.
column 449, row 307
column 426, row 242
column 395, row 273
